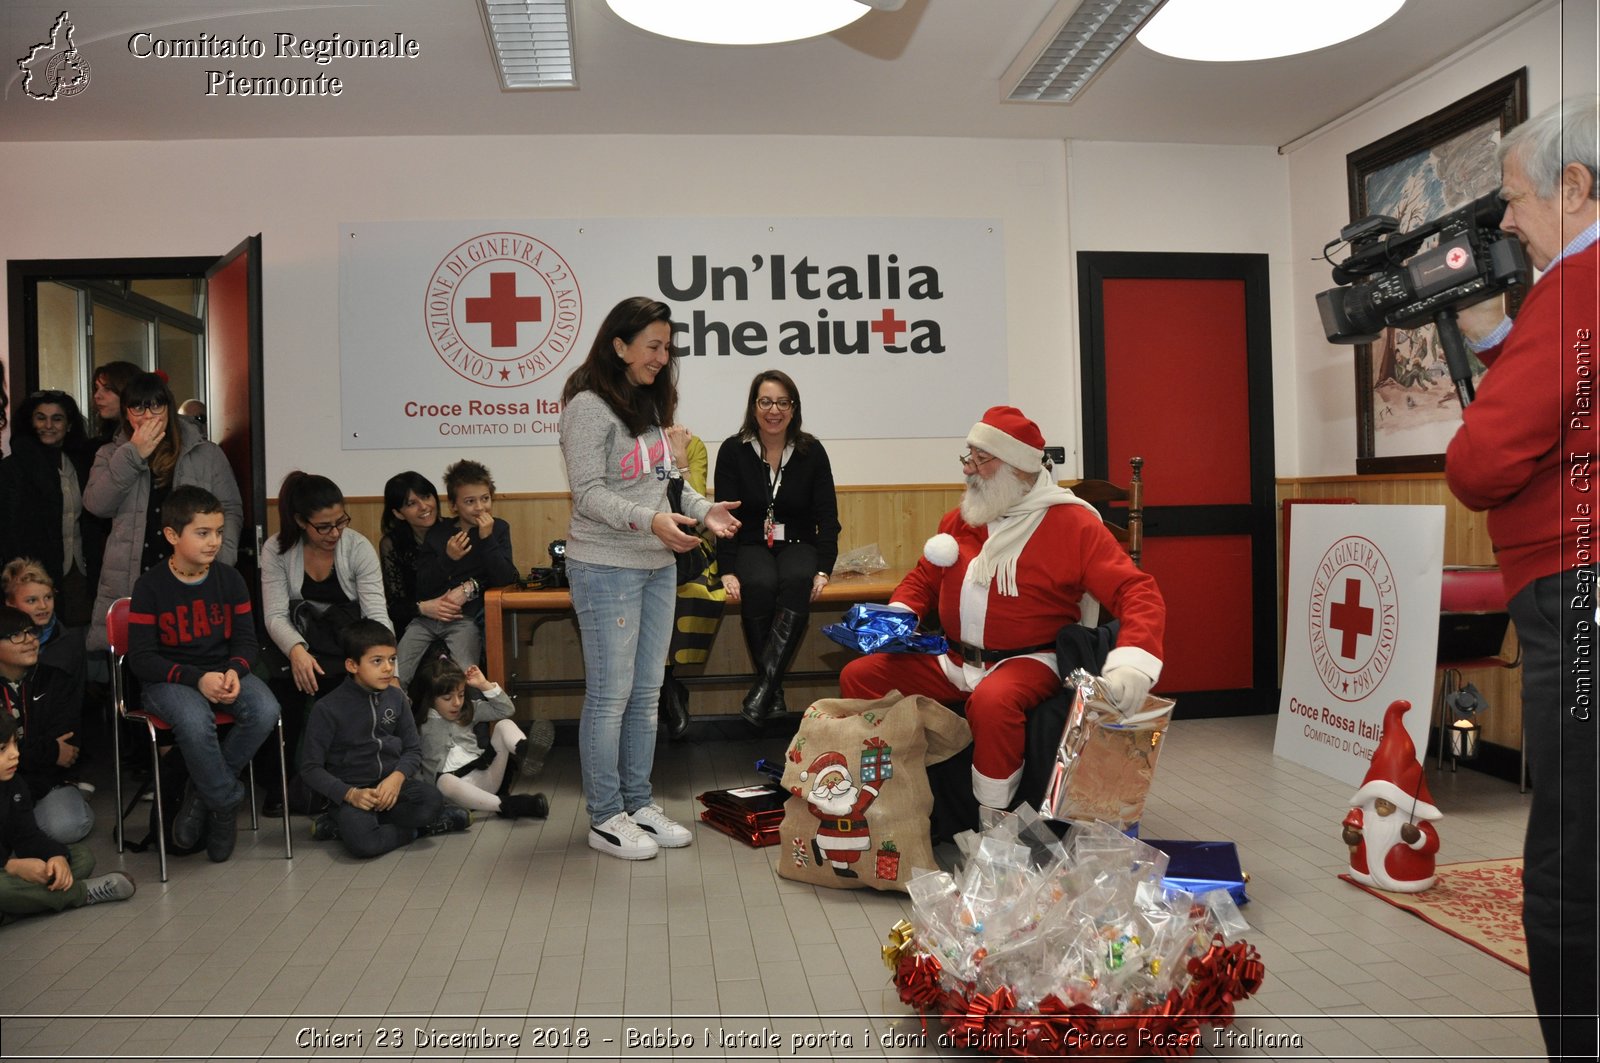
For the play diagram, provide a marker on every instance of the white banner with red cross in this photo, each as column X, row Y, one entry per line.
column 463, row 332
column 1361, row 631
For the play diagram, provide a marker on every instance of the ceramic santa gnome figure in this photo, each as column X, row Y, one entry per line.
column 1392, row 841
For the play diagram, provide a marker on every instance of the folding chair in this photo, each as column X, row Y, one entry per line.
column 117, row 638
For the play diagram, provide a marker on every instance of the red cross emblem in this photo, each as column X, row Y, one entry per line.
column 503, row 309
column 1350, row 618
column 889, row 327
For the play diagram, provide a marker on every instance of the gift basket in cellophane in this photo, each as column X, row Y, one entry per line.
column 1044, row 946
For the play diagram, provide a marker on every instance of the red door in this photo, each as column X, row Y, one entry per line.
column 1177, row 370
column 234, row 382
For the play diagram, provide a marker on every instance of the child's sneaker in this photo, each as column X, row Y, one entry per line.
column 652, row 819
column 325, row 828
column 524, row 806
column 621, row 837
column 450, row 821
column 114, row 886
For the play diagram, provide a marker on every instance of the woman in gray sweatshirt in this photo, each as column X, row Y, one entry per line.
column 621, row 565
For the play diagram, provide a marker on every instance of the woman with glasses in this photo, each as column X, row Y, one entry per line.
column 109, row 380
column 318, row 575
column 41, row 494
column 780, row 560
column 153, row 452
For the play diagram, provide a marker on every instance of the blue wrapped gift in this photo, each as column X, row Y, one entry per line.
column 1201, row 867
column 879, row 629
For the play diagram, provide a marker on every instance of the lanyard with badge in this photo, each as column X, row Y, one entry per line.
column 771, row 529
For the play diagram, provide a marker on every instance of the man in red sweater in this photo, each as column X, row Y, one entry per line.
column 1525, row 452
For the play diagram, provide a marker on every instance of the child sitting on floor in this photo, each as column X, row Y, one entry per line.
column 467, row 774
column 39, row 874
column 361, row 751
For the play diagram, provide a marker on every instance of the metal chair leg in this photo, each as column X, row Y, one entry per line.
column 155, row 782
column 116, row 765
column 283, row 776
column 250, row 776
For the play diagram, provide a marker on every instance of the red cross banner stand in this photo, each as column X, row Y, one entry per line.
column 1361, row 631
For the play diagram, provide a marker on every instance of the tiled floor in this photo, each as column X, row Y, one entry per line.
column 519, row 928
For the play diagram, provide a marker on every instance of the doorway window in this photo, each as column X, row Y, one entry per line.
column 153, row 323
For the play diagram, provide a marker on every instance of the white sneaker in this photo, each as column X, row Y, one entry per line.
column 621, row 837
column 652, row 819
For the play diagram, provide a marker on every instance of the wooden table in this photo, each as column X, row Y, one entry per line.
column 504, row 602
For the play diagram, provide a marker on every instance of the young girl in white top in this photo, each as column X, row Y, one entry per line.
column 467, row 774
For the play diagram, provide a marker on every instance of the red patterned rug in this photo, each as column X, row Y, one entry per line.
column 1479, row 902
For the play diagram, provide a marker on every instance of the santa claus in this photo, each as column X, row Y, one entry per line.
column 841, row 808
column 1020, row 559
column 1391, row 815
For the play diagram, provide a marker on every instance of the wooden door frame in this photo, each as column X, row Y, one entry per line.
column 1257, row 519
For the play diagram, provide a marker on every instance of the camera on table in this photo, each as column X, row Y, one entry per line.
column 1388, row 281
column 554, row 577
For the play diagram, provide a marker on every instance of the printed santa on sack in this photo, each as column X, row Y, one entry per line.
column 1393, row 802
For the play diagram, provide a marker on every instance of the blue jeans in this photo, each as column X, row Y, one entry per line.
column 625, row 623
column 214, row 767
column 64, row 814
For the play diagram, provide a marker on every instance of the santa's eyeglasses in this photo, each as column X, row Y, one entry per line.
column 971, row 459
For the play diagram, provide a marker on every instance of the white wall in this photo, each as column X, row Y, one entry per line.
column 1557, row 45
column 1192, row 198
column 201, row 197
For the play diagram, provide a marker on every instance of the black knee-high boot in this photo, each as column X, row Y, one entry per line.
column 787, row 629
column 673, row 708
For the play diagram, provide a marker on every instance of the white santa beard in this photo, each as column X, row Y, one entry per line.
column 1382, row 833
column 835, row 804
column 989, row 500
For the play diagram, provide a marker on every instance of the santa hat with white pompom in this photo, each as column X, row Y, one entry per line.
column 1007, row 434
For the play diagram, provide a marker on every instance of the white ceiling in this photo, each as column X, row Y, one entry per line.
column 930, row 69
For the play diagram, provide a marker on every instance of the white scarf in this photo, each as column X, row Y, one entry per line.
column 997, row 560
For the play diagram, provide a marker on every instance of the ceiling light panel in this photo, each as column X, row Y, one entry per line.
column 740, row 21
column 1238, row 31
column 532, row 42
column 1076, row 50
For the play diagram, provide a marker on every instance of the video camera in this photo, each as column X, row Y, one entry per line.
column 554, row 577
column 1387, row 282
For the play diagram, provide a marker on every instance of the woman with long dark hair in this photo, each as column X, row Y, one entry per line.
column 153, row 452
column 777, row 565
column 318, row 575
column 41, row 493
column 106, row 398
column 616, row 408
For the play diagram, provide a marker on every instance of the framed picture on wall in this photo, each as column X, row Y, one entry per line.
column 1406, row 406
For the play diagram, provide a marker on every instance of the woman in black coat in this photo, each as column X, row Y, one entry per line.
column 41, row 494
column 781, row 557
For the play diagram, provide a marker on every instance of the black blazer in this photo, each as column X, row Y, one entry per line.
column 805, row 505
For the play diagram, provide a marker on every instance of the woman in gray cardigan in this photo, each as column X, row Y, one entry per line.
column 616, row 407
column 317, row 576
column 153, row 452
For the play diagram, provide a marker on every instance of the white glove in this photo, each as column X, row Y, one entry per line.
column 1126, row 688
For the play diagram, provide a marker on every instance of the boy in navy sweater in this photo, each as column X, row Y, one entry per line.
column 192, row 641
column 361, row 751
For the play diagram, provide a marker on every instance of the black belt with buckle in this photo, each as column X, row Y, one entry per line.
column 845, row 824
column 978, row 655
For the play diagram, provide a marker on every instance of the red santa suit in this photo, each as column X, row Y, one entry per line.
column 1068, row 554
column 1396, row 777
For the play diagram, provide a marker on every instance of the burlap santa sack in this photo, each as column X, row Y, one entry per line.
column 857, row 771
